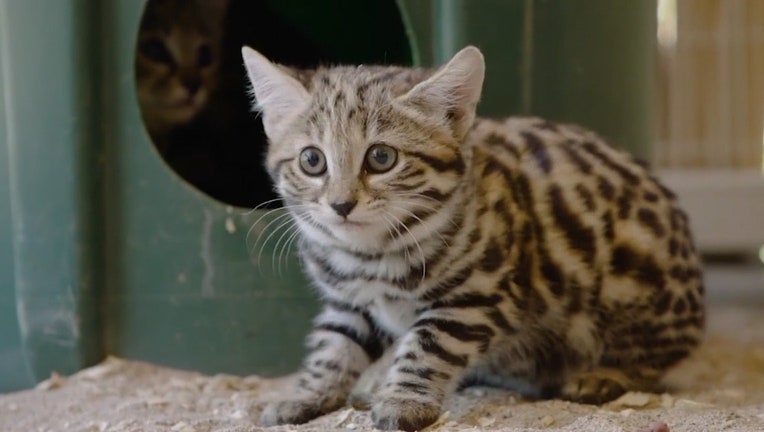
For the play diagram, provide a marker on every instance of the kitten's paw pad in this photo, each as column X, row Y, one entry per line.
column 295, row 411
column 593, row 388
column 404, row 414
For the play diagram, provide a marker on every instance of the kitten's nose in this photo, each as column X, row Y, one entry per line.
column 344, row 208
column 193, row 86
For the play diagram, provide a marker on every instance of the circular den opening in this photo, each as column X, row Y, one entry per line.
column 192, row 87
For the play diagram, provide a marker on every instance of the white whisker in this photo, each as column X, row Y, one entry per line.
column 419, row 195
column 284, row 235
column 421, row 252
column 276, row 220
column 284, row 209
column 414, row 199
column 424, row 224
column 388, row 224
column 247, row 213
column 281, row 226
column 249, row 232
column 289, row 244
column 426, row 207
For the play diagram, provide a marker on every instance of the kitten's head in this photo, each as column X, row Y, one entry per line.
column 359, row 152
column 177, row 59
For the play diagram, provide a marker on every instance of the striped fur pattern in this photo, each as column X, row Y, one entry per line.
column 514, row 252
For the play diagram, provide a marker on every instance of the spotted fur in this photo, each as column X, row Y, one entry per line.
column 514, row 252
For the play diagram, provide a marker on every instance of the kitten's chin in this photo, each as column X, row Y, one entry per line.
column 171, row 113
column 358, row 235
column 184, row 110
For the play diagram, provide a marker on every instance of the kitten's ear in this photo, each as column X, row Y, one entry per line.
column 454, row 90
column 217, row 9
column 277, row 95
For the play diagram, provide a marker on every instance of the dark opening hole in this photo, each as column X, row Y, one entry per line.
column 192, row 87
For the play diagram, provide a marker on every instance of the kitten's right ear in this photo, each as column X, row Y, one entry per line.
column 277, row 95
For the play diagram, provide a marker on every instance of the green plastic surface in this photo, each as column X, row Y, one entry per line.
column 51, row 119
column 14, row 373
column 583, row 61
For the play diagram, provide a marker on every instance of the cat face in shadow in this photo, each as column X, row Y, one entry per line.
column 178, row 60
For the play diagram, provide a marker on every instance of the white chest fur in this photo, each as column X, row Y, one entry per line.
column 393, row 316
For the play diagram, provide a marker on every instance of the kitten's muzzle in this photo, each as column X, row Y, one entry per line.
column 193, row 86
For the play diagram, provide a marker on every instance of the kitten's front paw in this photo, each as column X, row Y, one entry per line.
column 368, row 386
column 296, row 411
column 360, row 401
column 404, row 414
column 594, row 387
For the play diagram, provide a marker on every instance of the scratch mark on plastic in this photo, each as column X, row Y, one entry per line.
column 205, row 253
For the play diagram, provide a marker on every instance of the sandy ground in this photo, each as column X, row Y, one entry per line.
column 721, row 388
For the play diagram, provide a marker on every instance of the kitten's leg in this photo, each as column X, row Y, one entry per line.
column 429, row 363
column 341, row 346
column 601, row 385
column 371, row 381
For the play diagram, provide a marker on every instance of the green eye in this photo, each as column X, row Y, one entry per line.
column 312, row 161
column 381, row 158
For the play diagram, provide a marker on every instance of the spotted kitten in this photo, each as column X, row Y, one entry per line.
column 513, row 252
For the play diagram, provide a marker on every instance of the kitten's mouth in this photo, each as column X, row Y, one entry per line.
column 185, row 103
column 347, row 223
column 183, row 110
column 352, row 223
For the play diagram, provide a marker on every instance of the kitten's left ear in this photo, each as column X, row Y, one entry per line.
column 217, row 8
column 454, row 90
column 278, row 96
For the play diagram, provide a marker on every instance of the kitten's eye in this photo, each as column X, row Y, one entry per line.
column 205, row 56
column 155, row 50
column 312, row 161
column 381, row 158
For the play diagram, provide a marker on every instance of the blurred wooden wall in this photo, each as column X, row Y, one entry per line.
column 711, row 84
